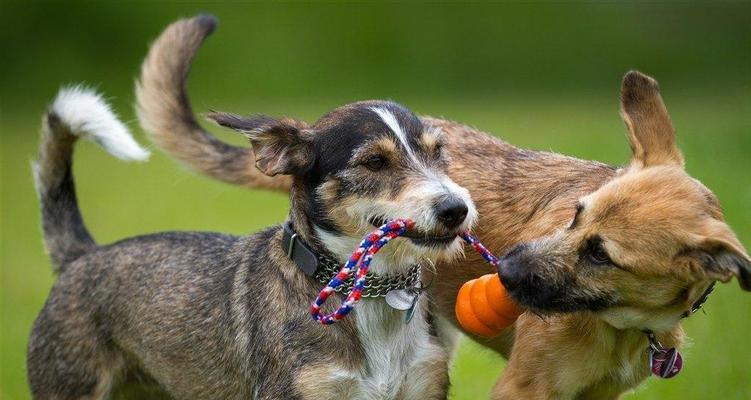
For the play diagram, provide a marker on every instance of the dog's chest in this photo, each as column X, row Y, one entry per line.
column 399, row 356
column 613, row 364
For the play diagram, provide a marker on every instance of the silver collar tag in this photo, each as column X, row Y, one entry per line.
column 406, row 299
column 401, row 299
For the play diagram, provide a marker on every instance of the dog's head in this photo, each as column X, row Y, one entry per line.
column 359, row 166
column 644, row 247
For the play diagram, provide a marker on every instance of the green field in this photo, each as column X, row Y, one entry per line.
column 703, row 65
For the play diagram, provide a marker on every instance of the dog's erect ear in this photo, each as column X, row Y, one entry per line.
column 720, row 256
column 281, row 146
column 650, row 130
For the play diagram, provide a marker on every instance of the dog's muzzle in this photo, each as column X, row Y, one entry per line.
column 529, row 288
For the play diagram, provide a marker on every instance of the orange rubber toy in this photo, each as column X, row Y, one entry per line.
column 484, row 308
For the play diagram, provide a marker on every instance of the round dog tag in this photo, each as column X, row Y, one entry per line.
column 400, row 299
column 665, row 363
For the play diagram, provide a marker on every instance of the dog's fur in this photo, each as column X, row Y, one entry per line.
column 605, row 252
column 205, row 315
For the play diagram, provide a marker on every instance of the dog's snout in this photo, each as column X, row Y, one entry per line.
column 452, row 212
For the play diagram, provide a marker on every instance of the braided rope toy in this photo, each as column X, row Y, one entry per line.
column 360, row 258
column 480, row 248
column 488, row 324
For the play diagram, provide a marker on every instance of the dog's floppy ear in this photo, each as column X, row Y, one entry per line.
column 281, row 146
column 650, row 130
column 720, row 256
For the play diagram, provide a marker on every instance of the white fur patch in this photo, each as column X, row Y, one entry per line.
column 394, row 350
column 88, row 115
column 390, row 120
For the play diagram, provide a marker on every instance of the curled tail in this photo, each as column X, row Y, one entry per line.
column 166, row 115
column 76, row 112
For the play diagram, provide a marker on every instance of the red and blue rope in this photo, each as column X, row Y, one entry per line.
column 480, row 248
column 361, row 258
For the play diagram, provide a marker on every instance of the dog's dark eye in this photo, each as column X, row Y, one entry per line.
column 375, row 163
column 596, row 254
column 438, row 150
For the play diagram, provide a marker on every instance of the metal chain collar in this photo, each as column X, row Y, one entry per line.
column 375, row 285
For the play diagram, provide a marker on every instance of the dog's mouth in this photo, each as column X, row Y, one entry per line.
column 544, row 300
column 421, row 237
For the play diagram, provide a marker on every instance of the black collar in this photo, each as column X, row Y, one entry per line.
column 700, row 301
column 323, row 268
column 299, row 252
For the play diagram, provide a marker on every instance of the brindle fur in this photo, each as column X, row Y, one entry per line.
column 204, row 315
column 527, row 195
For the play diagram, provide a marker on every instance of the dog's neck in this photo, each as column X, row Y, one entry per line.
column 304, row 225
column 623, row 347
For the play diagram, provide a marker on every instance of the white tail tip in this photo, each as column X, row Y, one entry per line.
column 88, row 115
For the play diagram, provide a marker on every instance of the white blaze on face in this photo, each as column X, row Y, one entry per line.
column 418, row 202
column 390, row 120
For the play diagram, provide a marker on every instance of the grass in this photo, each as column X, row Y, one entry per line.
column 120, row 200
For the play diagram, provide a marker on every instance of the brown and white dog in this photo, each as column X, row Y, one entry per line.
column 604, row 253
column 200, row 315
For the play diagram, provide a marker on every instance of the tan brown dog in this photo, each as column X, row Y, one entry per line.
column 604, row 253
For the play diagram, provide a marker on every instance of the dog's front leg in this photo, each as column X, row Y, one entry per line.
column 601, row 391
column 514, row 384
column 427, row 380
column 515, row 387
column 542, row 356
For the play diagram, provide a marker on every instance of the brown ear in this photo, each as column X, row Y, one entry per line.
column 650, row 130
column 281, row 146
column 720, row 256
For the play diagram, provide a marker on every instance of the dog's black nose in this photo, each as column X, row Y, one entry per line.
column 452, row 212
column 510, row 270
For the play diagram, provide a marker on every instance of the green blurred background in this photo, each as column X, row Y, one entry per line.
column 539, row 75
